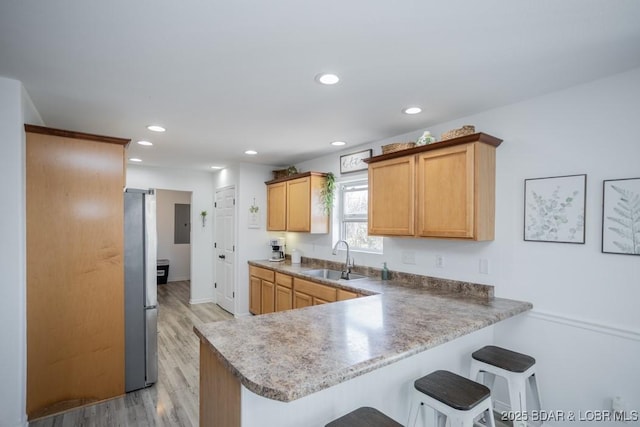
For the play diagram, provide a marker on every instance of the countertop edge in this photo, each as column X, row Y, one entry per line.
column 367, row 366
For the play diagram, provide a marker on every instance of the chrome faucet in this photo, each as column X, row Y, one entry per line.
column 348, row 263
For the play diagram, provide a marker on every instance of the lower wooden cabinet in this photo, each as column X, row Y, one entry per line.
column 262, row 290
column 284, row 292
column 345, row 295
column 309, row 293
column 271, row 291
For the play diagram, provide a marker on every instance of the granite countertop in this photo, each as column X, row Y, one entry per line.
column 287, row 355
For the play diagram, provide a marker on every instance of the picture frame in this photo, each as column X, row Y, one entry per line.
column 554, row 209
column 353, row 162
column 621, row 216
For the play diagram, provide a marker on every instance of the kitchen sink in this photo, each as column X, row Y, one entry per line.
column 325, row 273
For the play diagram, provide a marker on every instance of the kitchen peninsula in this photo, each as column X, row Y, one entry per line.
column 308, row 366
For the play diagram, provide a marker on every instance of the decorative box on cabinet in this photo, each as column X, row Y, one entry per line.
column 442, row 190
column 294, row 204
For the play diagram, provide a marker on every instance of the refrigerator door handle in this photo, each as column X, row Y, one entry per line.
column 151, row 345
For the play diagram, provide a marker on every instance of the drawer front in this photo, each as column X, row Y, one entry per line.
column 326, row 293
column 345, row 295
column 262, row 273
column 284, row 280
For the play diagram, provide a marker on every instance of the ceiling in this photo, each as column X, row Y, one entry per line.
column 227, row 76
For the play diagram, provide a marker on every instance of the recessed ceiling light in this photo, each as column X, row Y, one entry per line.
column 412, row 110
column 217, row 167
column 251, row 152
column 327, row 79
column 156, row 128
column 147, row 143
column 135, row 159
column 338, row 143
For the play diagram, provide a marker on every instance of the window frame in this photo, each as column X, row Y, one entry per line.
column 353, row 218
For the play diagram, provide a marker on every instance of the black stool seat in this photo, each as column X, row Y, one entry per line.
column 364, row 417
column 503, row 358
column 452, row 389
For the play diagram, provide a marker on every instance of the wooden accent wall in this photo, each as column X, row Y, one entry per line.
column 75, row 273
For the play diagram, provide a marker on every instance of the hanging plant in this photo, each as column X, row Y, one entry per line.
column 328, row 192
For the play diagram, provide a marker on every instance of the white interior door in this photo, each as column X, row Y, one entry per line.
column 225, row 248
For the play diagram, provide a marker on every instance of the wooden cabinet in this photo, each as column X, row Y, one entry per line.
column 309, row 293
column 277, row 206
column 261, row 290
column 271, row 291
column 391, row 197
column 343, row 295
column 294, row 204
column 74, row 268
column 255, row 285
column 284, row 292
column 443, row 190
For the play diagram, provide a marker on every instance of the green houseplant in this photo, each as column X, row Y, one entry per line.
column 328, row 192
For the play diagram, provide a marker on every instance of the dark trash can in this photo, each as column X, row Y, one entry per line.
column 163, row 271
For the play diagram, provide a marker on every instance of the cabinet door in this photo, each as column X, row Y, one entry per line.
column 268, row 297
column 318, row 301
column 284, row 298
column 301, row 300
column 254, row 294
column 277, row 206
column 299, row 204
column 446, row 192
column 391, row 197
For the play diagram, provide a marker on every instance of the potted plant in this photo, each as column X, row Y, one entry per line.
column 328, row 192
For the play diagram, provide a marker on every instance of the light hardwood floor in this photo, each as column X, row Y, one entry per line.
column 173, row 400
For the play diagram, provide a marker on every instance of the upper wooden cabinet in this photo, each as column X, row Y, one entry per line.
column 444, row 190
column 277, row 206
column 294, row 204
column 392, row 197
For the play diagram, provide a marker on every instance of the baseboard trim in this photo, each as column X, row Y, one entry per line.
column 585, row 324
column 179, row 279
column 200, row 300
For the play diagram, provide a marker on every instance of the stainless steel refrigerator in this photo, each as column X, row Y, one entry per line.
column 141, row 310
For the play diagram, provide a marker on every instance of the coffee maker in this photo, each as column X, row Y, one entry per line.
column 277, row 249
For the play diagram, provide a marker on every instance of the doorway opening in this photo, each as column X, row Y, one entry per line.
column 173, row 218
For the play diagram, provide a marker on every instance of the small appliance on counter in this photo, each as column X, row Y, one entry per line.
column 296, row 256
column 277, row 249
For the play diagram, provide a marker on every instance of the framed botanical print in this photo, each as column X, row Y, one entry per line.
column 621, row 216
column 554, row 209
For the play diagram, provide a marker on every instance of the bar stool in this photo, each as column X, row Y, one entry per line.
column 364, row 417
column 516, row 368
column 455, row 398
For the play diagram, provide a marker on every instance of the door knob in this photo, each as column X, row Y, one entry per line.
column 221, row 256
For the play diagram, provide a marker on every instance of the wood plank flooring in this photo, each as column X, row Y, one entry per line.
column 173, row 400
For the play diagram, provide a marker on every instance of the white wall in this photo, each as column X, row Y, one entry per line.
column 201, row 188
column 581, row 297
column 179, row 256
column 15, row 109
column 251, row 243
